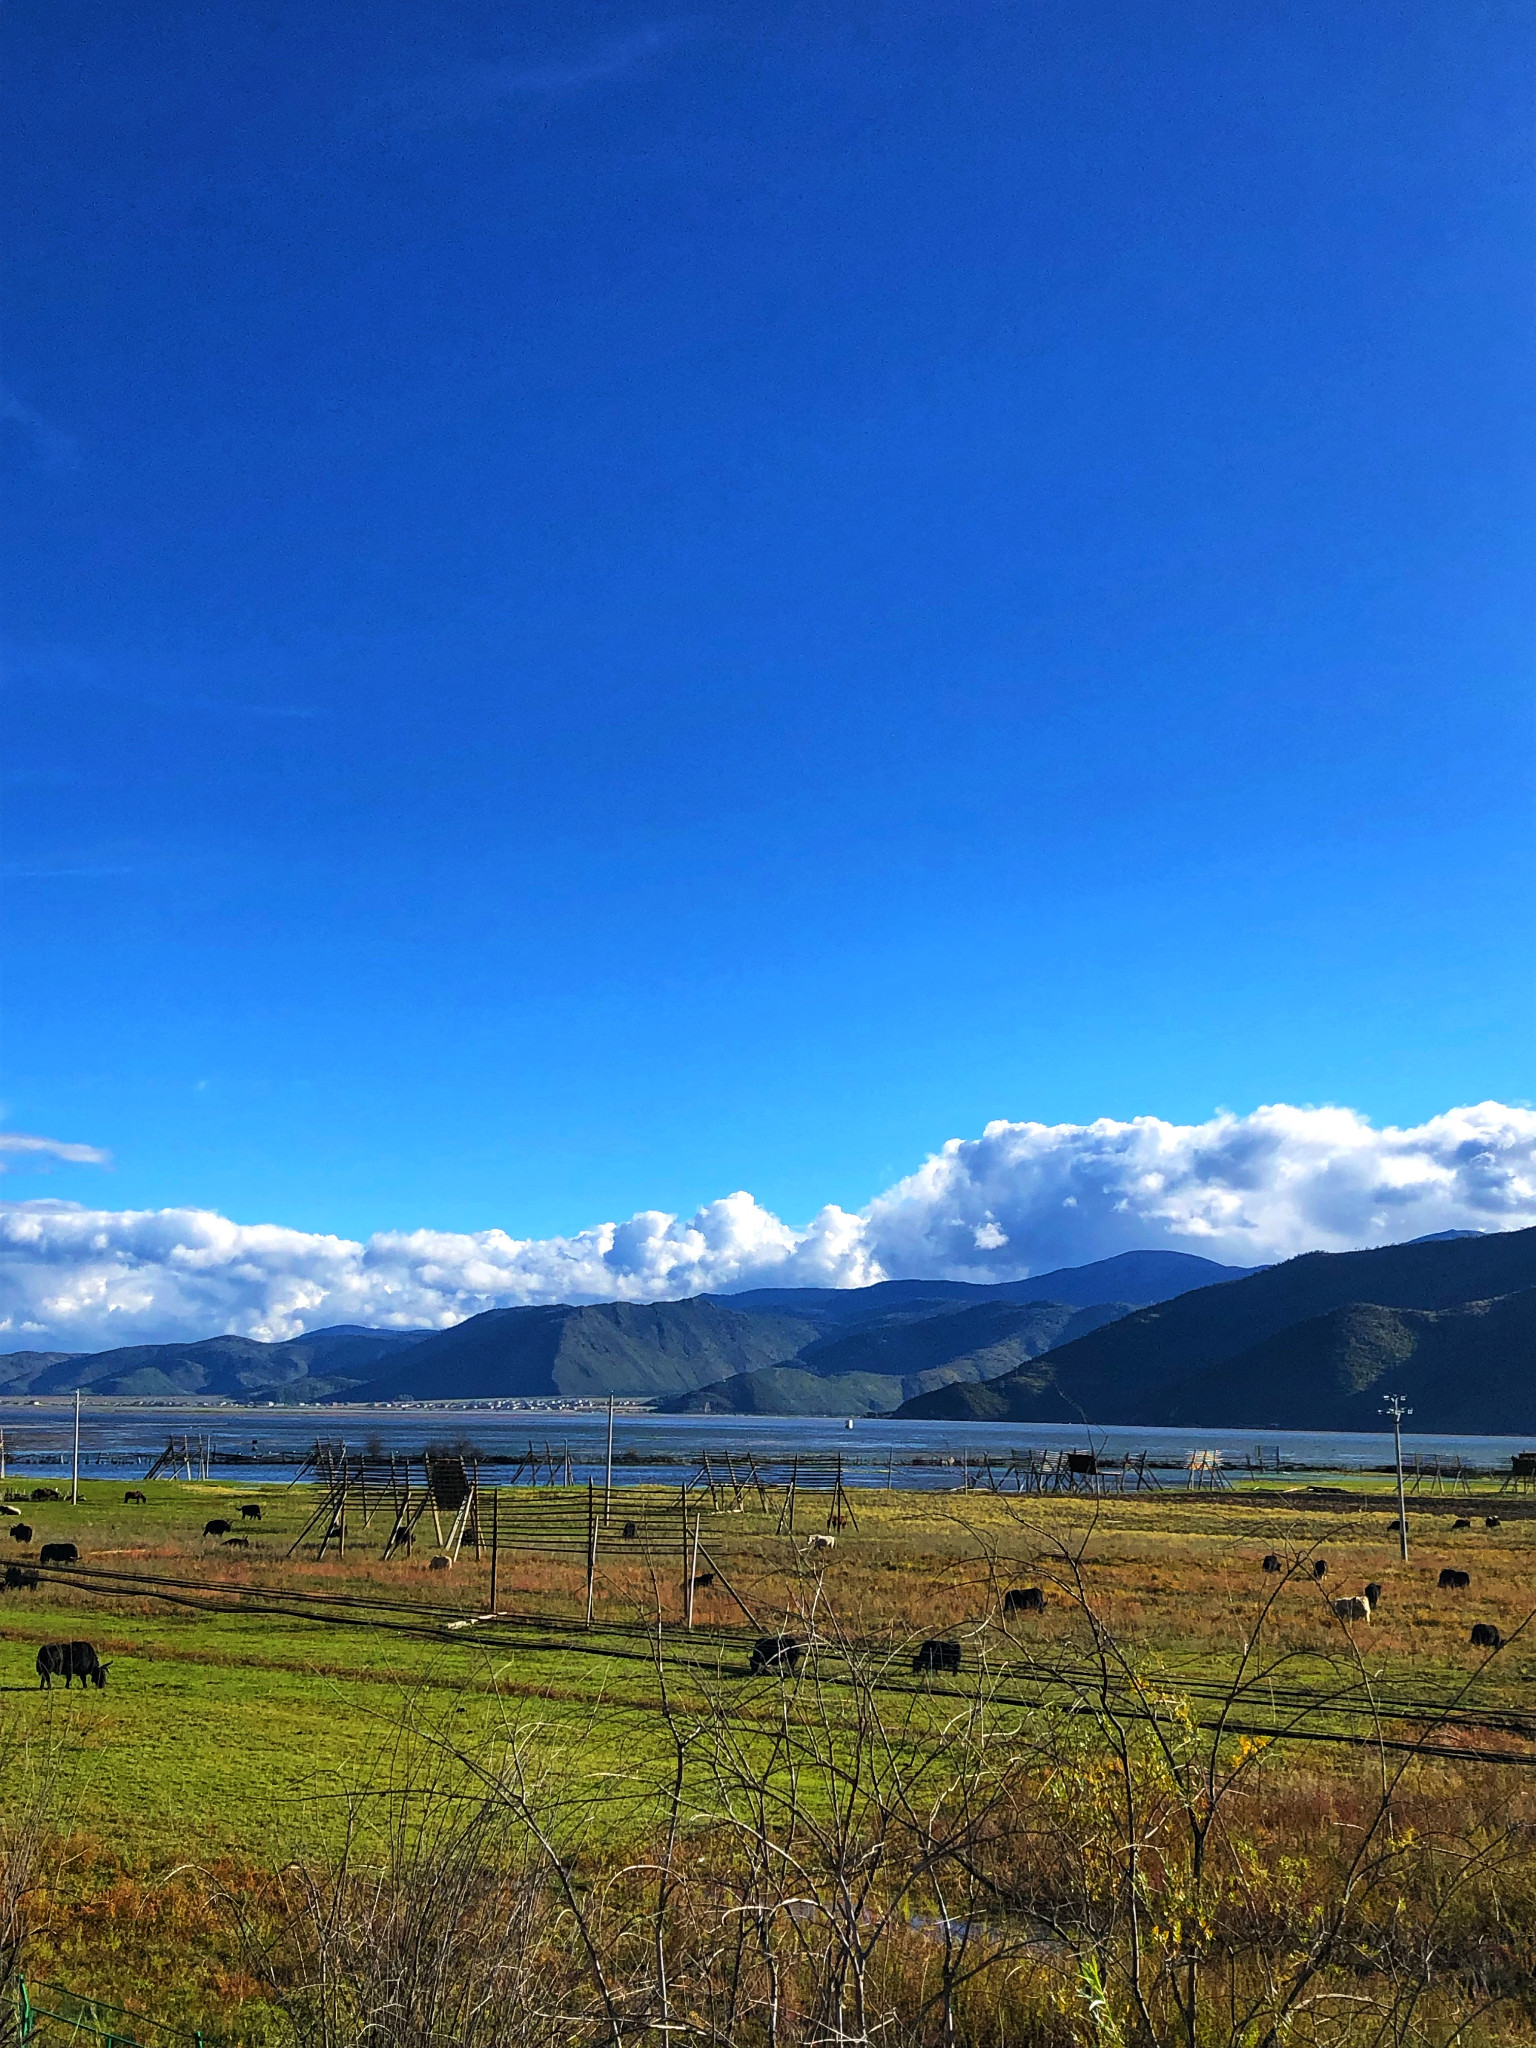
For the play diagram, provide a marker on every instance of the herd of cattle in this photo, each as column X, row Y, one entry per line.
column 70, row 1661
column 780, row 1655
column 1362, row 1606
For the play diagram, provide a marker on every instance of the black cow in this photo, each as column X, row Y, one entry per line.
column 69, row 1661
column 1454, row 1581
column 1492, row 1522
column 631, row 1531
column 1320, row 1568
column 250, row 1511
column 58, row 1553
column 699, row 1581
column 1462, row 1522
column 16, row 1576
column 1486, row 1637
column 237, row 1542
column 216, row 1528
column 1373, row 1592
column 134, row 1494
column 776, row 1653
column 937, row 1655
column 45, row 1493
column 1273, row 1564
column 21, row 1532
column 1024, row 1600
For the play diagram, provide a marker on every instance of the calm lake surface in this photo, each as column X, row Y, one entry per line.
column 269, row 1443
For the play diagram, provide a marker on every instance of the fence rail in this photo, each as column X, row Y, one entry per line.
column 50, row 2014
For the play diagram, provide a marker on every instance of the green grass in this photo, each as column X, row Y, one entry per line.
column 237, row 1718
column 229, row 1741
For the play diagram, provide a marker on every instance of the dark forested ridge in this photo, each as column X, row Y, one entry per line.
column 1308, row 1344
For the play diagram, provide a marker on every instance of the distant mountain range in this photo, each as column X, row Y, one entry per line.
column 870, row 1369
column 1449, row 1321
column 1129, row 1276
column 1151, row 1338
column 316, row 1367
column 857, row 1349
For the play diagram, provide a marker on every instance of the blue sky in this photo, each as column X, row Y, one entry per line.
column 604, row 605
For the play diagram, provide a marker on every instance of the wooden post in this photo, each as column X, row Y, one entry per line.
column 693, row 1567
column 74, row 1484
column 495, row 1533
column 475, row 1510
column 591, row 1549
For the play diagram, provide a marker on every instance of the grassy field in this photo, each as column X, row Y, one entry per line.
column 229, row 1742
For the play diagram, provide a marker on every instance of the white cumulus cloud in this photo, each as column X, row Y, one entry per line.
column 1020, row 1199
column 52, row 1148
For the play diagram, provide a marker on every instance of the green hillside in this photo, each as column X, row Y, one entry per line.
column 991, row 1337
column 1466, row 1371
column 630, row 1348
column 787, row 1390
column 870, row 1371
column 312, row 1368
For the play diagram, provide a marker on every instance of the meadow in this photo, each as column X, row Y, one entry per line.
column 1184, row 1801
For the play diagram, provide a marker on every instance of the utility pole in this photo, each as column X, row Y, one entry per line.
column 608, row 1481
column 1397, row 1407
column 74, row 1484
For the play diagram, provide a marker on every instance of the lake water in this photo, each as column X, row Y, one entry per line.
column 269, row 1443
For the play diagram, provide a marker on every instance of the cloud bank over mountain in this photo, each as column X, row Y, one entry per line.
column 1021, row 1198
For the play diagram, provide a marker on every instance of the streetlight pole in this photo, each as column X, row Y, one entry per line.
column 1396, row 1407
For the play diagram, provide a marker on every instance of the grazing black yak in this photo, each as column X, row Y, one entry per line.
column 69, row 1661
column 937, row 1655
column 1024, row 1600
column 776, row 1653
